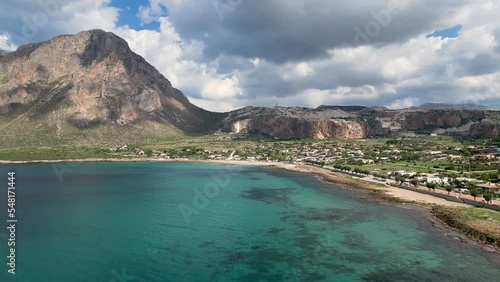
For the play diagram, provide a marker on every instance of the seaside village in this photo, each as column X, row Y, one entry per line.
column 469, row 170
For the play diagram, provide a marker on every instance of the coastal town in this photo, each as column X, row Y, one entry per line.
column 468, row 169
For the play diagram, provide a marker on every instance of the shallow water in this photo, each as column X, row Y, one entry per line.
column 155, row 222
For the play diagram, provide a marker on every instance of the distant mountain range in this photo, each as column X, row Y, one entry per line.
column 442, row 106
column 91, row 89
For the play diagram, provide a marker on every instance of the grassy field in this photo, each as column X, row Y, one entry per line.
column 51, row 131
column 439, row 140
column 57, row 152
column 483, row 214
column 62, row 153
column 210, row 142
column 393, row 167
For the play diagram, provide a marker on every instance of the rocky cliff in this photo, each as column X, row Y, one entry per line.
column 92, row 78
column 358, row 122
column 90, row 88
column 486, row 129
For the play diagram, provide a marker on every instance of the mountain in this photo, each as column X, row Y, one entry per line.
column 442, row 106
column 63, row 87
column 91, row 89
column 359, row 122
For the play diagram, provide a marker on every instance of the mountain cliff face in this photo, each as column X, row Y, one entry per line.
column 92, row 78
column 439, row 119
column 295, row 128
column 442, row 106
column 485, row 129
column 90, row 88
column 332, row 122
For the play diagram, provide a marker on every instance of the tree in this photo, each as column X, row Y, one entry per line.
column 471, row 186
column 449, row 189
column 487, row 197
column 473, row 193
column 457, row 183
column 400, row 179
column 414, row 182
column 467, row 154
column 431, row 185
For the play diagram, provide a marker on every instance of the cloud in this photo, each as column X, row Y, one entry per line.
column 296, row 53
column 405, row 103
column 178, row 60
column 28, row 21
column 6, row 44
column 283, row 31
column 151, row 13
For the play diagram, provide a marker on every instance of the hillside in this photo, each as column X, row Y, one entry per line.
column 359, row 122
column 91, row 89
column 442, row 106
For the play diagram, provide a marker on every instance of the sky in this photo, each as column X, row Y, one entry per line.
column 227, row 54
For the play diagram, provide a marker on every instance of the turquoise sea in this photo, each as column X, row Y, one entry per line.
column 116, row 222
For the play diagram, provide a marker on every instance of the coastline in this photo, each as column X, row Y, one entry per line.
column 335, row 177
column 444, row 215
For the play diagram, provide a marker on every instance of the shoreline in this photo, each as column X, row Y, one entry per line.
column 431, row 207
column 403, row 195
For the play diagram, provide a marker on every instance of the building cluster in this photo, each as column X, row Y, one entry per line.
column 425, row 162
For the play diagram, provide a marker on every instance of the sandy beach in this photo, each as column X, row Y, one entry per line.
column 392, row 191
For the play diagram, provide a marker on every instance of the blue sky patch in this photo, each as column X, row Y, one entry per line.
column 452, row 32
column 128, row 14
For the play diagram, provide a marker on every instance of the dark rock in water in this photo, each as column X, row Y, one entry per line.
column 275, row 230
column 489, row 249
column 386, row 276
column 268, row 196
column 207, row 244
column 326, row 214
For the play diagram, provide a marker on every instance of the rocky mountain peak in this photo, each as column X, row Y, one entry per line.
column 92, row 78
column 99, row 45
column 86, row 85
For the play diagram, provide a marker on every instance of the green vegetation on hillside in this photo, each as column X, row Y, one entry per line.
column 61, row 153
column 483, row 214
